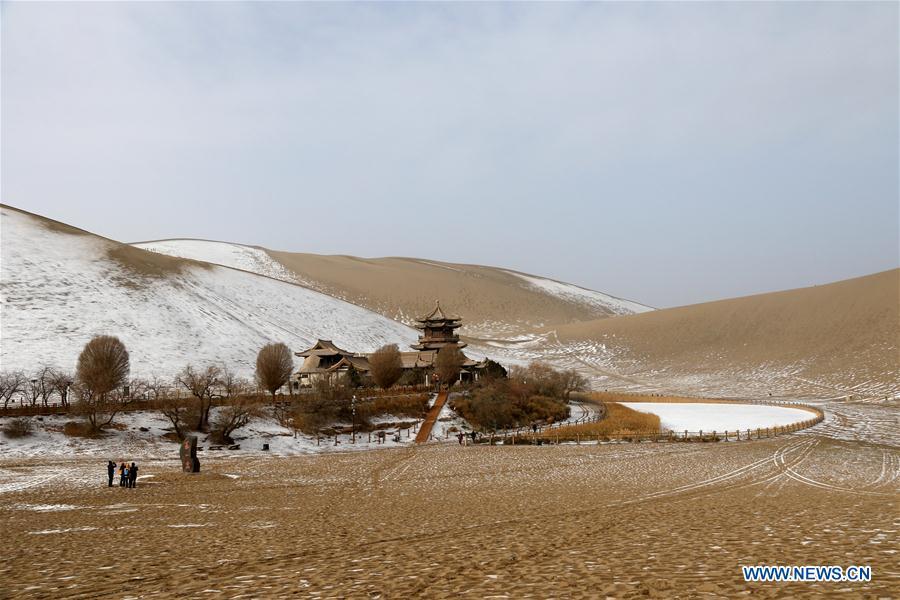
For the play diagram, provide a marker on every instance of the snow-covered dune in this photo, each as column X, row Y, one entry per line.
column 237, row 256
column 579, row 295
column 59, row 287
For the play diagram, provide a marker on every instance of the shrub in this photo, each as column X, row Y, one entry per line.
column 231, row 417
column 501, row 405
column 447, row 364
column 79, row 429
column 274, row 365
column 414, row 405
column 386, row 366
column 16, row 428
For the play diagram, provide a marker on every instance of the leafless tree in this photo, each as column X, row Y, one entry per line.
column 12, row 383
column 181, row 412
column 39, row 386
column 44, row 384
column 274, row 365
column 201, row 385
column 448, row 363
column 158, row 388
column 61, row 382
column 234, row 415
column 386, row 366
column 99, row 409
column 232, row 385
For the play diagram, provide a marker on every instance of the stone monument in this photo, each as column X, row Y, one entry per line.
column 189, row 461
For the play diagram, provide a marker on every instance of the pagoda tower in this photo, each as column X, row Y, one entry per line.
column 438, row 330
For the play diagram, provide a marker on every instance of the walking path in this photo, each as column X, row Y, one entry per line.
column 431, row 417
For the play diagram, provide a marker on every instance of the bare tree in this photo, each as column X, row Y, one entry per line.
column 102, row 371
column 158, row 388
column 386, row 366
column 234, row 415
column 573, row 381
column 12, row 383
column 181, row 412
column 448, row 363
column 61, row 382
column 232, row 385
column 201, row 385
column 99, row 409
column 42, row 383
column 274, row 365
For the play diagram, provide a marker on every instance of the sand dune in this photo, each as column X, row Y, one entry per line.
column 841, row 337
column 493, row 302
column 60, row 286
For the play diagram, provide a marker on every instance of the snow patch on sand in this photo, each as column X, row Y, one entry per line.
column 579, row 295
column 236, row 256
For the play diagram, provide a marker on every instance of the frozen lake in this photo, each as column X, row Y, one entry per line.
column 696, row 416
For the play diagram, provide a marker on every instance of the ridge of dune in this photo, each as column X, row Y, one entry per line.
column 494, row 302
column 60, row 285
column 839, row 337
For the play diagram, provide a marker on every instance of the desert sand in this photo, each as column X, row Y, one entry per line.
column 839, row 339
column 611, row 520
column 492, row 301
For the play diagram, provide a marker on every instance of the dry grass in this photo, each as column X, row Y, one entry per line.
column 148, row 264
column 619, row 420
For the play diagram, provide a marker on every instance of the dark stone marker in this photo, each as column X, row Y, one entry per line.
column 189, row 461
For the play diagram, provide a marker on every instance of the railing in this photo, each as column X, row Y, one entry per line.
column 557, row 433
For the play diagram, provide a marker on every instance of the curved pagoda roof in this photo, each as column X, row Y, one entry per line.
column 438, row 315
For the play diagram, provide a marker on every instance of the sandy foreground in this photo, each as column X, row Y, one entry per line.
column 621, row 520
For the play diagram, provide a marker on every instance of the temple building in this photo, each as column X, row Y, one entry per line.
column 438, row 329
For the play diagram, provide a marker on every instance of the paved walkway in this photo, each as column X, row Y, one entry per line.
column 431, row 417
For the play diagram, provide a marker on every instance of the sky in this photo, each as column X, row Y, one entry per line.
column 669, row 153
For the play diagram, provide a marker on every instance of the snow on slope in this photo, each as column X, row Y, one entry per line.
column 58, row 289
column 237, row 256
column 579, row 295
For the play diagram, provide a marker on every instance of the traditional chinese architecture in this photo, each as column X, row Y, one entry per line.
column 325, row 359
column 438, row 330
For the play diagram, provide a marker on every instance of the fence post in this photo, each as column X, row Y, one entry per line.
column 726, row 435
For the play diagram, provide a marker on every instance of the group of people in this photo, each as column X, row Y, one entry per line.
column 127, row 474
column 462, row 437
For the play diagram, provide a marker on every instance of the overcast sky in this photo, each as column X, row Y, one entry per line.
column 667, row 153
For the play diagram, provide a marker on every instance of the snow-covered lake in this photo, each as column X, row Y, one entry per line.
column 696, row 416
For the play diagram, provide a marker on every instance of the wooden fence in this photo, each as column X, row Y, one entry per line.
column 561, row 433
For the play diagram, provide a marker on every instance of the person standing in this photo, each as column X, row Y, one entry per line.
column 111, row 471
column 132, row 475
column 123, row 474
